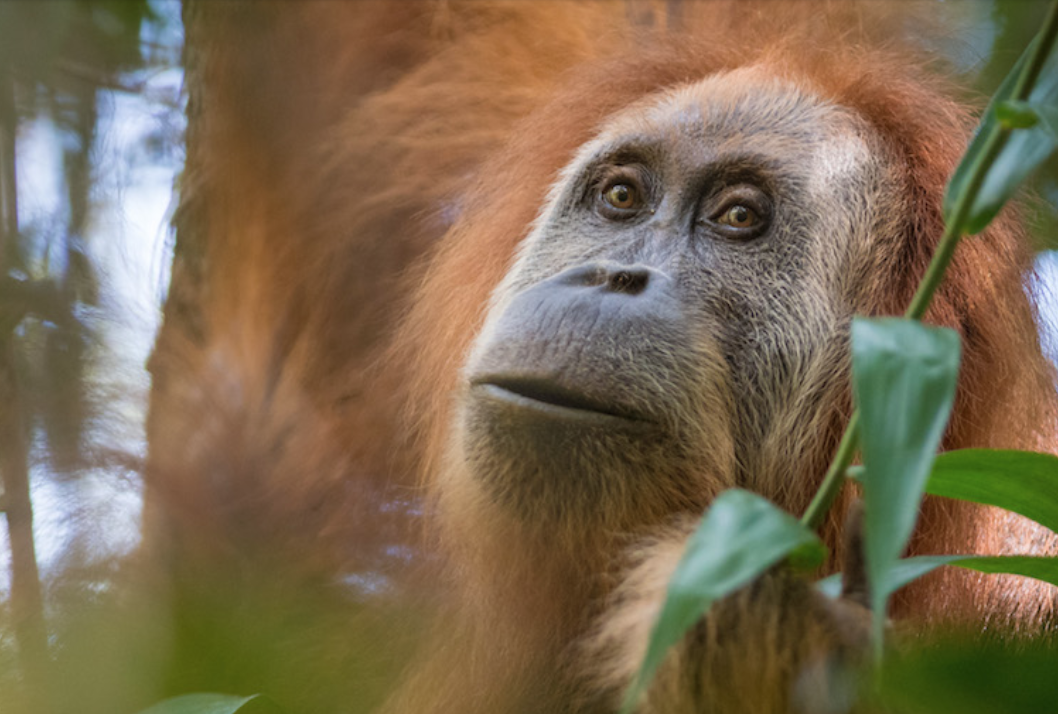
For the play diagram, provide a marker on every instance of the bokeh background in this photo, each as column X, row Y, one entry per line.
column 91, row 132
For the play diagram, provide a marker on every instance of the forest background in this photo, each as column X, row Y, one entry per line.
column 91, row 132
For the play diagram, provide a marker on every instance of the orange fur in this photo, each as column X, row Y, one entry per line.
column 355, row 164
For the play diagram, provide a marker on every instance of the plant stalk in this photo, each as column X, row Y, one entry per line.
column 953, row 231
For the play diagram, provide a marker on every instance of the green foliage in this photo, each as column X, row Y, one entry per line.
column 214, row 704
column 741, row 536
column 1037, row 567
column 37, row 38
column 1019, row 481
column 903, row 376
column 969, row 679
column 1023, row 482
column 1015, row 23
column 1026, row 101
column 909, row 569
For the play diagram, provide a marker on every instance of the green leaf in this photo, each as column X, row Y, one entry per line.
column 1030, row 566
column 214, row 704
column 903, row 376
column 909, row 569
column 740, row 537
column 970, row 678
column 1021, row 481
column 1016, row 115
column 1047, row 114
column 808, row 557
column 1024, row 150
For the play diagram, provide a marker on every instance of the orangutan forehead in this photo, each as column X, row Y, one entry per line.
column 749, row 110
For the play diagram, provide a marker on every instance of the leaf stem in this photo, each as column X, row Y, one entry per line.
column 835, row 477
column 1048, row 33
column 953, row 231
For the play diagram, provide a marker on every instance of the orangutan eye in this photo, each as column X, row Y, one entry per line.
column 621, row 191
column 740, row 212
column 739, row 216
column 621, row 196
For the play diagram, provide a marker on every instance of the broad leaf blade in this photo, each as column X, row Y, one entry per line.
column 970, row 678
column 1031, row 566
column 905, row 571
column 1047, row 116
column 741, row 536
column 1021, row 481
column 904, row 376
column 209, row 703
column 1023, row 152
column 1040, row 568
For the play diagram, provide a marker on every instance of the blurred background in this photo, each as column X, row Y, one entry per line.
column 91, row 132
column 91, row 127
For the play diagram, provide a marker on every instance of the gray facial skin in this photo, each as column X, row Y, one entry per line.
column 681, row 303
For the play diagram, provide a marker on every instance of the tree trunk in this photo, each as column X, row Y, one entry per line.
column 27, row 600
